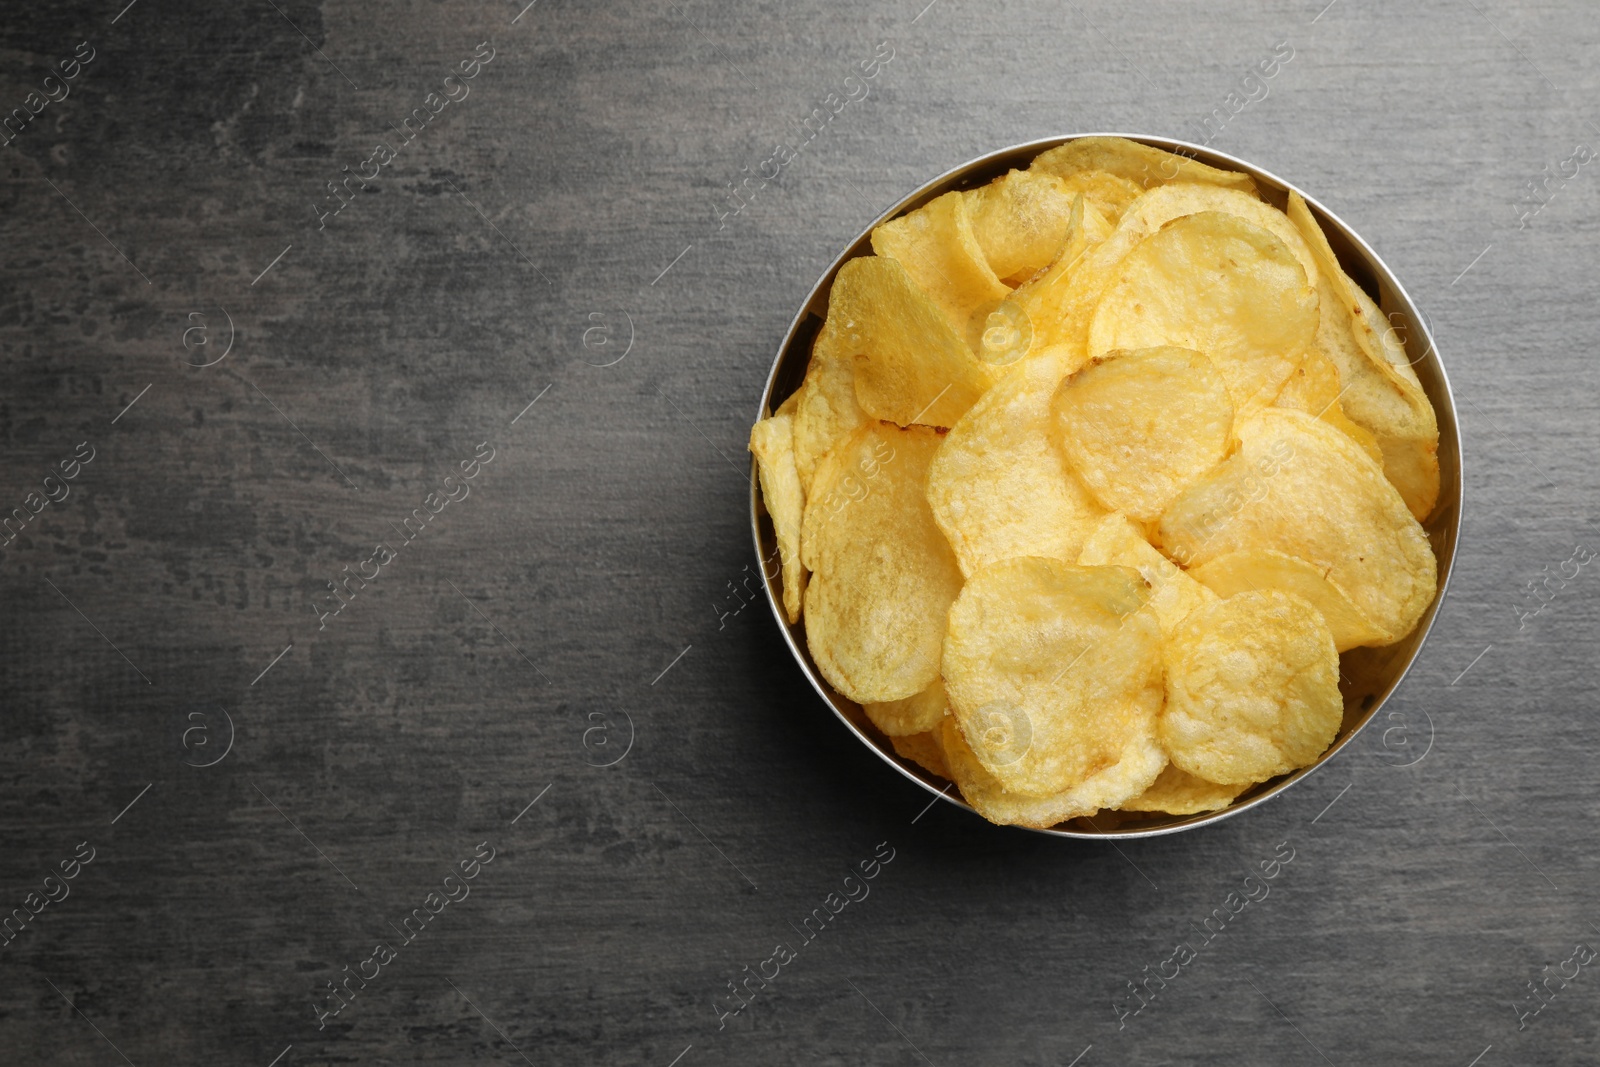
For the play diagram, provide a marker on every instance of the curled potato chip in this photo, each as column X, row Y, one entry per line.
column 1177, row 792
column 1044, row 303
column 925, row 750
column 937, row 246
column 1138, row 163
column 994, row 802
column 916, row 714
column 1379, row 388
column 1265, row 568
column 1054, row 675
column 772, row 441
column 1299, row 486
column 911, row 366
column 1252, row 688
column 825, row 408
column 998, row 488
column 1019, row 221
column 1138, row 426
column 1164, row 203
column 1173, row 594
column 1221, row 286
column 1314, row 389
column 883, row 577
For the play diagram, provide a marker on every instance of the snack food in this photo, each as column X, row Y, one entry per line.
column 1099, row 469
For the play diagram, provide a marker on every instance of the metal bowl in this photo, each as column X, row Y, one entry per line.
column 1369, row 674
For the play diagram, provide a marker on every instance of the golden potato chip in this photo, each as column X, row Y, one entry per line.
column 1298, row 485
column 1173, row 594
column 1260, row 569
column 1041, row 306
column 1314, row 389
column 772, row 441
column 1138, row 426
column 1216, row 284
column 925, row 750
column 790, row 403
column 1411, row 463
column 1054, row 675
column 994, row 802
column 911, row 367
column 1252, row 688
column 916, row 714
column 1164, row 203
column 1177, row 792
column 1379, row 388
column 1019, row 221
column 1137, row 163
column 883, row 578
column 998, row 488
column 936, row 245
column 826, row 411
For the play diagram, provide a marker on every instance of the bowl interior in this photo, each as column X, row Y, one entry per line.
column 1368, row 675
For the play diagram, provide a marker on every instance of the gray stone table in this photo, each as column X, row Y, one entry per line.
column 254, row 379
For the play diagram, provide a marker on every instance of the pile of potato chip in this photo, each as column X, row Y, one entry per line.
column 1095, row 472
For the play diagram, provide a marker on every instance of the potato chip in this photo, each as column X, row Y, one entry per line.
column 1019, row 221
column 1252, row 688
column 1177, row 792
column 1259, row 569
column 826, row 411
column 998, row 488
column 1379, row 388
column 883, row 578
column 1137, row 163
column 916, row 714
column 937, row 246
column 1216, row 284
column 1043, row 304
column 1164, row 203
column 1054, row 675
column 911, row 367
column 991, row 799
column 790, row 403
column 1139, row 426
column 1298, row 485
column 1173, row 594
column 772, row 441
column 925, row 750
column 1314, row 389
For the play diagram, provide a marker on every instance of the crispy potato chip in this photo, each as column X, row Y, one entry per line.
column 1019, row 221
column 826, row 411
column 1139, row 426
column 911, row 367
column 1173, row 594
column 937, row 246
column 790, row 403
column 916, row 714
column 1379, row 388
column 1259, row 569
column 1137, row 163
column 1298, row 485
column 1164, row 203
column 1054, row 675
column 998, row 488
column 883, row 578
column 1177, row 792
column 991, row 799
column 1042, row 304
column 1252, row 688
column 925, row 750
column 772, row 441
column 1216, row 284
column 1412, row 463
column 1314, row 389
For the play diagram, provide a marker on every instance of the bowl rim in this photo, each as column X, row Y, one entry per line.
column 1415, row 319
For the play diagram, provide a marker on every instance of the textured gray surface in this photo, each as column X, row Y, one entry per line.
column 599, row 545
